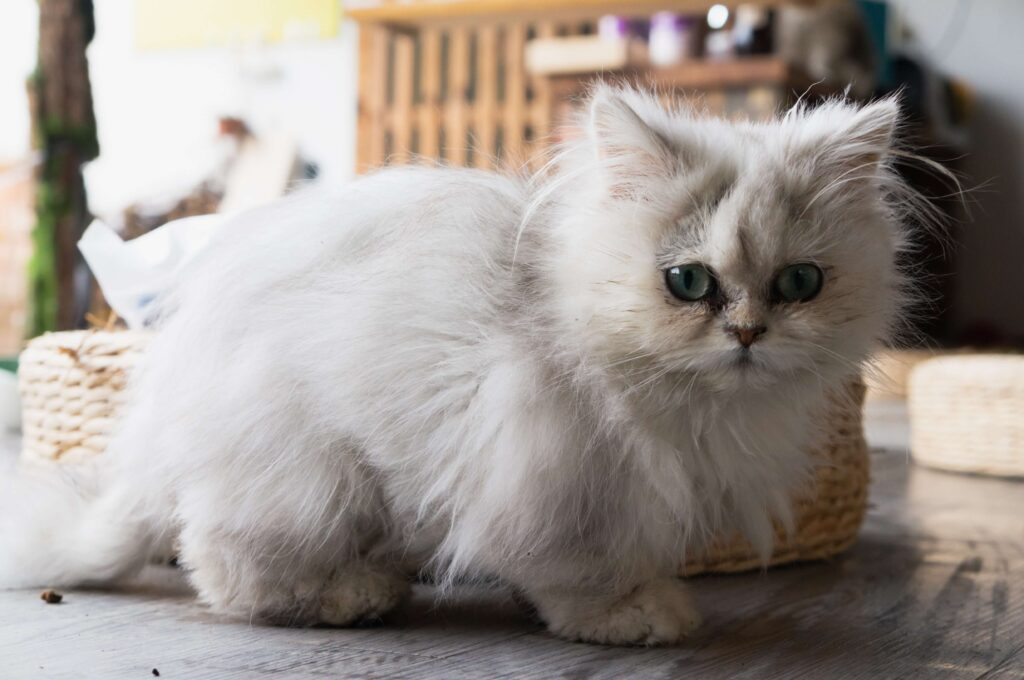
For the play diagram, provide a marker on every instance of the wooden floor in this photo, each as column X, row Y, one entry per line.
column 934, row 589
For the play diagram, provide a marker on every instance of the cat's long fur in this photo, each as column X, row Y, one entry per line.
column 486, row 377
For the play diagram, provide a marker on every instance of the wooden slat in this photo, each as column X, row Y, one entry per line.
column 402, row 109
column 486, row 105
column 515, row 93
column 541, row 108
column 406, row 13
column 455, row 105
column 372, row 97
column 429, row 112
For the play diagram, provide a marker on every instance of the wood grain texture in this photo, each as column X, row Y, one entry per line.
column 934, row 589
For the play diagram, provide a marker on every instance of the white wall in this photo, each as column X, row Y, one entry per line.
column 19, row 26
column 157, row 111
column 982, row 43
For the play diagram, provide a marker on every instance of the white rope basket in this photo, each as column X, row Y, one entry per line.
column 889, row 374
column 72, row 391
column 967, row 413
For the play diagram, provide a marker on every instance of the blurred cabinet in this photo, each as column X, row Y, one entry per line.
column 455, row 92
column 446, row 80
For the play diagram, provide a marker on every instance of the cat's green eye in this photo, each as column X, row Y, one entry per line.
column 690, row 282
column 799, row 282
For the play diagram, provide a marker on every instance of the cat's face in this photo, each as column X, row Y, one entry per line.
column 739, row 255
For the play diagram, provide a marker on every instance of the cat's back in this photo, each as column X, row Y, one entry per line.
column 399, row 233
column 450, row 218
column 350, row 301
column 429, row 239
column 402, row 257
column 384, row 213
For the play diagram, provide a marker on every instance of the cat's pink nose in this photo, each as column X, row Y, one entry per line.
column 746, row 335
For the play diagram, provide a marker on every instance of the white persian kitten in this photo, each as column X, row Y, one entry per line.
column 563, row 384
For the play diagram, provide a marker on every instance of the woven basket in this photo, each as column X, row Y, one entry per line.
column 828, row 519
column 890, row 374
column 967, row 413
column 72, row 390
column 72, row 382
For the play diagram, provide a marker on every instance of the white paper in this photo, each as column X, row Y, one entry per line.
column 132, row 274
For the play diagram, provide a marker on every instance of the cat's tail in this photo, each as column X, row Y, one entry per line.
column 62, row 528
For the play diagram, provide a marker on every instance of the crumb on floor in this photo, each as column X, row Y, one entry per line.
column 51, row 597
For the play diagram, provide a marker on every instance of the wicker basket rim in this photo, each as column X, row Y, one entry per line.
column 59, row 338
column 975, row 358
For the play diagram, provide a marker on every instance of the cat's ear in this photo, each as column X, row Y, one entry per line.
column 852, row 141
column 628, row 149
column 870, row 134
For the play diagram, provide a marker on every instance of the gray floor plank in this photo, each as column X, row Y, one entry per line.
column 933, row 589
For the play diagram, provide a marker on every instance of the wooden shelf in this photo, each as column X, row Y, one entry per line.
column 701, row 74
column 411, row 13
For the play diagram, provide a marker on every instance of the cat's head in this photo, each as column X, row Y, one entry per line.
column 743, row 254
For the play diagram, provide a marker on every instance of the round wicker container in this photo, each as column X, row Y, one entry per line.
column 889, row 374
column 72, row 390
column 829, row 518
column 71, row 385
column 967, row 413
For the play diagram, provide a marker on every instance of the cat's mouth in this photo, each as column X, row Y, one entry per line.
column 739, row 367
column 744, row 358
column 749, row 367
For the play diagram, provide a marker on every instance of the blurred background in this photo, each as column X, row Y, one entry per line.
column 137, row 112
column 140, row 124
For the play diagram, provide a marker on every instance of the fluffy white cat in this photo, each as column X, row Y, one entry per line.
column 564, row 384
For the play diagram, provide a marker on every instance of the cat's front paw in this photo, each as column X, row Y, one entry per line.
column 655, row 613
column 359, row 592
